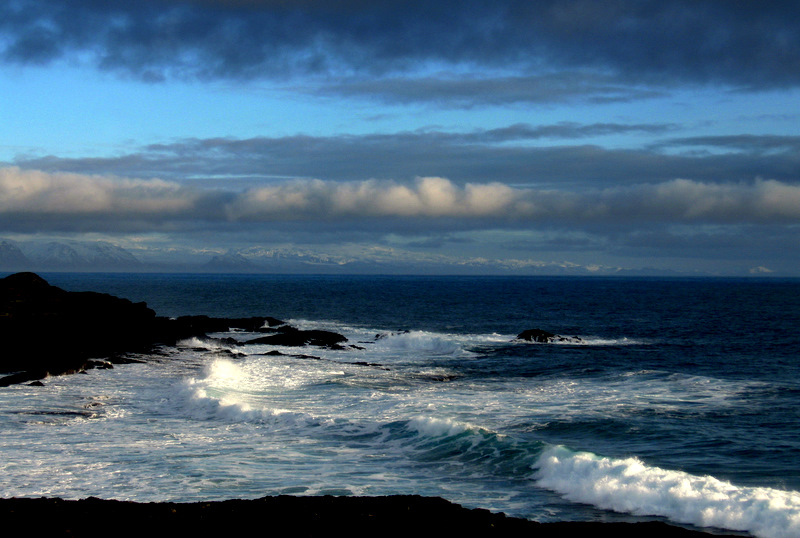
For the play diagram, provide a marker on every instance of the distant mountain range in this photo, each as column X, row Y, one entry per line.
column 388, row 261
column 102, row 256
column 66, row 256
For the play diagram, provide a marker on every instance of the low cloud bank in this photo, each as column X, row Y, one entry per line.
column 62, row 194
column 678, row 200
column 54, row 198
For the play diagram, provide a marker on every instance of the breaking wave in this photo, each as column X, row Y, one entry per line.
column 628, row 485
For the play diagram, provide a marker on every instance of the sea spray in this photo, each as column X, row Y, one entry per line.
column 629, row 485
column 421, row 341
column 222, row 394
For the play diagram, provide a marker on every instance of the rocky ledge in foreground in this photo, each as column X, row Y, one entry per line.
column 302, row 516
column 45, row 330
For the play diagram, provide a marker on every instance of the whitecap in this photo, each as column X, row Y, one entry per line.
column 629, row 485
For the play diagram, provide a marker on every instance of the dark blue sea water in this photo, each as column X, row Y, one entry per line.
column 680, row 401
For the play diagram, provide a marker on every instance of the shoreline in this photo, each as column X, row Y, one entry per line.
column 303, row 516
column 29, row 305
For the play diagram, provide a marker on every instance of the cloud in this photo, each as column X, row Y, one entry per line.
column 429, row 197
column 40, row 201
column 467, row 91
column 692, row 201
column 31, row 191
column 658, row 43
column 753, row 144
column 32, row 200
column 679, row 200
column 675, row 219
column 506, row 154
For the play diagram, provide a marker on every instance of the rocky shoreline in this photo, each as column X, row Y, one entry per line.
column 301, row 516
column 47, row 331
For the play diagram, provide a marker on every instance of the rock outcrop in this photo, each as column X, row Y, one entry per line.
column 544, row 337
column 290, row 336
column 45, row 330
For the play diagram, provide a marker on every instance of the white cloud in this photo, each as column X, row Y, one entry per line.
column 37, row 194
column 428, row 197
column 679, row 200
column 688, row 201
column 776, row 199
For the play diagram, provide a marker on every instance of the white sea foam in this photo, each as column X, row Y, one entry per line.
column 224, row 393
column 421, row 341
column 600, row 341
column 435, row 427
column 628, row 485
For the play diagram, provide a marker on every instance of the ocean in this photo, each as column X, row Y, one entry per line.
column 679, row 402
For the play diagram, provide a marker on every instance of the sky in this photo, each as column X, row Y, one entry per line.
column 616, row 134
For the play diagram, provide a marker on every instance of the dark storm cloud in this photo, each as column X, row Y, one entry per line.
column 745, row 44
column 508, row 154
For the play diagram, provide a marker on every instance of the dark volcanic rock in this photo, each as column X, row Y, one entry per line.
column 289, row 336
column 544, row 337
column 302, row 516
column 45, row 330
column 536, row 335
column 194, row 325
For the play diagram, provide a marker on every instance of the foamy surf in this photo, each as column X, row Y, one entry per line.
column 419, row 341
column 226, row 393
column 630, row 486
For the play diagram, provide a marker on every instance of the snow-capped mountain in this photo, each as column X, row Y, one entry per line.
column 230, row 262
column 79, row 256
column 386, row 261
column 101, row 256
column 12, row 258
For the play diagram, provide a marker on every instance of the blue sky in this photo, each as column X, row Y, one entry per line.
column 617, row 134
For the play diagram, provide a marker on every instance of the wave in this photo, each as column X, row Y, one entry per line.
column 421, row 341
column 234, row 392
column 628, row 485
column 222, row 394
